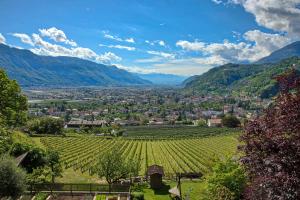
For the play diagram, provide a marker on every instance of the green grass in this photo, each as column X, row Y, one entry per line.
column 71, row 176
column 190, row 188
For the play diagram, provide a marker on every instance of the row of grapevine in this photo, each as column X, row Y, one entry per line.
column 180, row 155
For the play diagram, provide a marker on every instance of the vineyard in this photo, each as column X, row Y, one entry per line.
column 177, row 155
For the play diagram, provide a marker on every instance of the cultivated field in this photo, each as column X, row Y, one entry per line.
column 176, row 155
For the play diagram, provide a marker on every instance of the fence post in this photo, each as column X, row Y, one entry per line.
column 71, row 190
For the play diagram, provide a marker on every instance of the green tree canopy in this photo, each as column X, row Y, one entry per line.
column 227, row 181
column 13, row 104
column 12, row 178
column 112, row 166
column 231, row 121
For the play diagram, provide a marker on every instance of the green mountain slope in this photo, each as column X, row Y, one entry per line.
column 238, row 79
column 32, row 70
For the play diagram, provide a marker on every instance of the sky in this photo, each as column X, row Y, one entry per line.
column 183, row 37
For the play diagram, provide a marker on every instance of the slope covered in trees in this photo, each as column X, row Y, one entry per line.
column 239, row 79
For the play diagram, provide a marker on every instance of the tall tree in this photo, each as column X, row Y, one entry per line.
column 13, row 104
column 272, row 145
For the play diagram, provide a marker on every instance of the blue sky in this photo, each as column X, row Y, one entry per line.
column 183, row 37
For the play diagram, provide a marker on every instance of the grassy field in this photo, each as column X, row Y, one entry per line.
column 176, row 155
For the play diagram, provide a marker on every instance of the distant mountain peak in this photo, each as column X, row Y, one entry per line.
column 30, row 69
column 288, row 51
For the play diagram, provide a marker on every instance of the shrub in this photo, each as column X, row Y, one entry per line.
column 271, row 145
column 45, row 125
column 12, row 178
column 137, row 196
column 230, row 121
column 227, row 179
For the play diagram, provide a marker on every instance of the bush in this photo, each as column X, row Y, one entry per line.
column 230, row 121
column 227, row 180
column 12, row 178
column 45, row 125
column 137, row 196
column 41, row 196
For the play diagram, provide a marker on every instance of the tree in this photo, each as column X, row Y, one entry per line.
column 231, row 121
column 272, row 145
column 13, row 104
column 53, row 162
column 227, row 180
column 112, row 166
column 12, row 178
column 45, row 125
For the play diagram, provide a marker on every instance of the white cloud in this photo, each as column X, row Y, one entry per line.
column 158, row 42
column 118, row 47
column 116, row 38
column 217, row 1
column 277, row 15
column 257, row 45
column 57, row 35
column 130, row 40
column 2, row 39
column 24, row 38
column 162, row 43
column 45, row 48
column 162, row 54
column 190, row 46
column 190, row 66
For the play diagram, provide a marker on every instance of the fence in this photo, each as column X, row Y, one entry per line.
column 75, row 187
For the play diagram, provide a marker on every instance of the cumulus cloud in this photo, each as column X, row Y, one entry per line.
column 46, row 48
column 191, row 46
column 118, row 47
column 24, row 38
column 2, row 39
column 257, row 45
column 277, row 15
column 116, row 38
column 57, row 35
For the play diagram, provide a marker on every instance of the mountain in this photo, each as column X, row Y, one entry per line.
column 288, row 51
column 241, row 79
column 30, row 69
column 163, row 79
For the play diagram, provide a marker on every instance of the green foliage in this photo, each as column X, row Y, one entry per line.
column 13, row 106
column 45, row 125
column 112, row 166
column 5, row 140
column 250, row 80
column 201, row 123
column 41, row 196
column 231, row 121
column 54, row 164
column 12, row 178
column 227, row 180
column 137, row 195
column 35, row 158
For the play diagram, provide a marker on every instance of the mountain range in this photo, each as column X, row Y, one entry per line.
column 255, row 79
column 30, row 69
